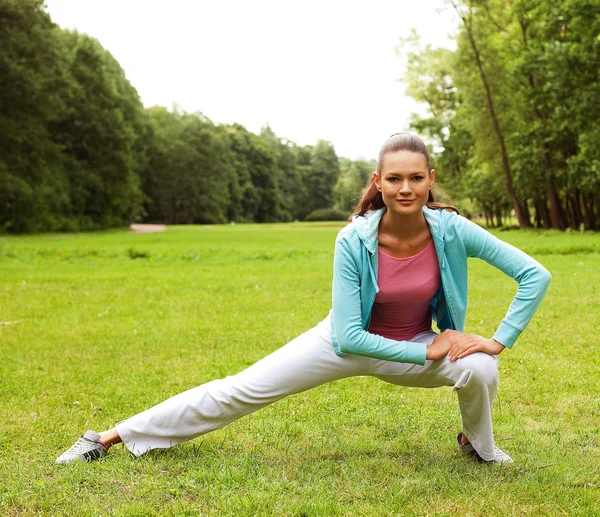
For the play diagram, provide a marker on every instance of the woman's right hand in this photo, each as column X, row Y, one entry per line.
column 439, row 348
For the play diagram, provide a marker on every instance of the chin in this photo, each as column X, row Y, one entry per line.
column 406, row 210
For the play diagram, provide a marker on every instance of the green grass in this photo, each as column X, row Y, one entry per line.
column 96, row 327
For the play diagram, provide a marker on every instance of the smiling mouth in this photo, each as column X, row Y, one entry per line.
column 405, row 201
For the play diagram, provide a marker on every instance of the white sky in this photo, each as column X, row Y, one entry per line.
column 311, row 70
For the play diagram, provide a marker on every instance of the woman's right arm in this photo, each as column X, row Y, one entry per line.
column 350, row 335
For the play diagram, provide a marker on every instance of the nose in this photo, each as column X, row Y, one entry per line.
column 405, row 188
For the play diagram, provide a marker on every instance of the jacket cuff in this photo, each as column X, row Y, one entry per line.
column 417, row 353
column 506, row 334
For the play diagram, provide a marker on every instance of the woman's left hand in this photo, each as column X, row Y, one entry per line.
column 467, row 344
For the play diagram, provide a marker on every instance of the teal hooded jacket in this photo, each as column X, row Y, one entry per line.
column 455, row 239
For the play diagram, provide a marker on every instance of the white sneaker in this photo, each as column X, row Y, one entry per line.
column 500, row 457
column 86, row 448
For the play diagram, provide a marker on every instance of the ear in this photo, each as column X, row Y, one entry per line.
column 431, row 178
column 377, row 181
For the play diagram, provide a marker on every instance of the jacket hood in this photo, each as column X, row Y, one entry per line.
column 367, row 227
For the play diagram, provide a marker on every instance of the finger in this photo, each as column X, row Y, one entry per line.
column 470, row 350
column 461, row 344
column 461, row 350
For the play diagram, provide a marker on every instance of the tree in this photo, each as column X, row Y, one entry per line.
column 32, row 190
column 73, row 129
column 529, row 71
column 255, row 163
column 321, row 177
column 353, row 177
column 188, row 176
column 99, row 128
column 429, row 78
column 290, row 183
column 469, row 12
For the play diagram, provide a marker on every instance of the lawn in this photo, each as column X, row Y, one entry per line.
column 97, row 327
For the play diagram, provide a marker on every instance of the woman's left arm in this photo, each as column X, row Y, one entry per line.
column 532, row 277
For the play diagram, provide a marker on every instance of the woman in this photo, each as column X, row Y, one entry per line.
column 401, row 262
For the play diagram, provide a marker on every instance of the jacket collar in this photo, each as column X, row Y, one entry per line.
column 367, row 226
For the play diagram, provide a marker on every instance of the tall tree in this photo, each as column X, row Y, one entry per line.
column 254, row 159
column 290, row 183
column 99, row 128
column 429, row 79
column 530, row 71
column 321, row 177
column 187, row 178
column 32, row 188
column 468, row 13
column 353, row 177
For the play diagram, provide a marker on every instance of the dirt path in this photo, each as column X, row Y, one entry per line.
column 147, row 228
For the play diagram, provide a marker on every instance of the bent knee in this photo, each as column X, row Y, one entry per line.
column 478, row 368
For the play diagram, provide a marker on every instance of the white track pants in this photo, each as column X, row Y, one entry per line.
column 302, row 364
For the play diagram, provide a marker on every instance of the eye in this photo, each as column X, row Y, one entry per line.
column 393, row 179
column 418, row 178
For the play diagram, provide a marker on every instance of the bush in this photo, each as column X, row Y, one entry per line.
column 135, row 253
column 326, row 214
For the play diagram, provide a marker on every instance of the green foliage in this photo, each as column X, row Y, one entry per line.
column 187, row 178
column 99, row 128
column 82, row 153
column 327, row 214
column 354, row 176
column 321, row 176
column 31, row 184
column 73, row 128
column 258, row 176
column 293, row 191
column 135, row 253
column 527, row 73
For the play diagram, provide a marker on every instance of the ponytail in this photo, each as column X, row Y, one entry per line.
column 371, row 199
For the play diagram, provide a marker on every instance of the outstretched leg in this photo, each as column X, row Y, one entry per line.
column 304, row 363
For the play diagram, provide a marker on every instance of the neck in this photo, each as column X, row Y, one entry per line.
column 404, row 226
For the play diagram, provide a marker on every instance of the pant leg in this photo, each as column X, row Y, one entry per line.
column 304, row 363
column 474, row 378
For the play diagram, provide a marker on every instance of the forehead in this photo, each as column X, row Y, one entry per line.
column 404, row 162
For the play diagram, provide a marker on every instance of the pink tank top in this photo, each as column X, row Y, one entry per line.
column 407, row 286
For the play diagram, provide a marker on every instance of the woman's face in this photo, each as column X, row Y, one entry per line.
column 404, row 182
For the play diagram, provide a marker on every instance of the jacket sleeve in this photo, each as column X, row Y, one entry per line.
column 350, row 335
column 532, row 277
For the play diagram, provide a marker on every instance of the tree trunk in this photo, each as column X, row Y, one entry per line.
column 555, row 210
column 538, row 218
column 540, row 204
column 542, row 210
column 499, row 217
column 589, row 212
column 575, row 211
column 526, row 213
column 564, row 220
column 523, row 221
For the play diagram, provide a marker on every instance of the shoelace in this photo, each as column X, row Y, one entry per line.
column 82, row 445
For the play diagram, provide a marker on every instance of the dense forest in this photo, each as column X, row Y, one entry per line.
column 80, row 152
column 513, row 122
column 516, row 109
